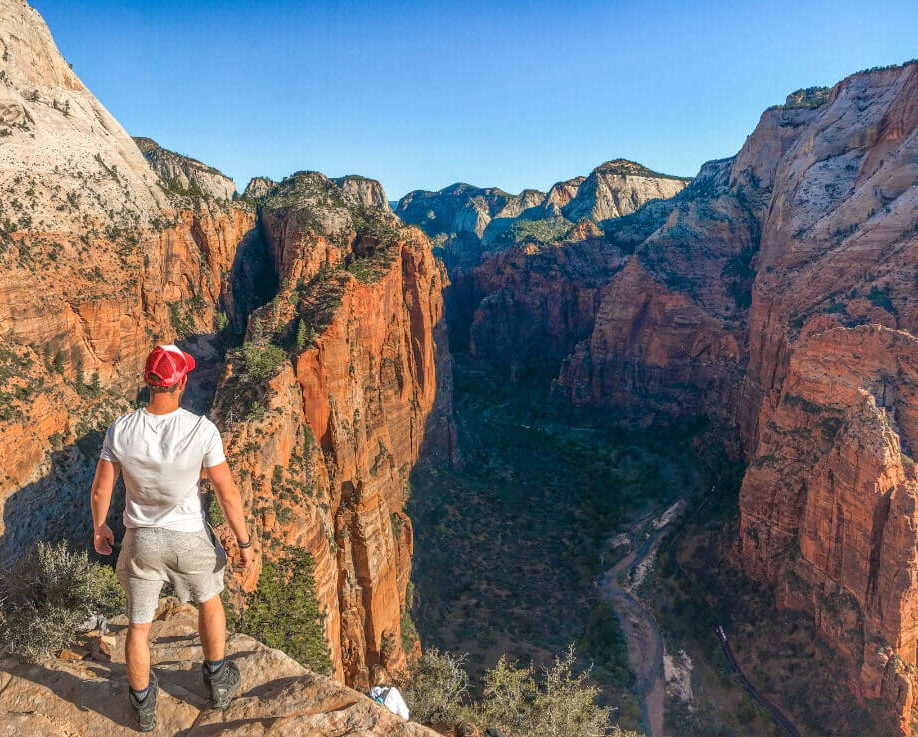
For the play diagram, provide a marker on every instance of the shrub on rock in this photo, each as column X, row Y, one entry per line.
column 437, row 687
column 47, row 594
column 514, row 701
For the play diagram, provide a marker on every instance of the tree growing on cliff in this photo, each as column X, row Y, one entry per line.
column 254, row 365
column 305, row 335
column 284, row 612
column 562, row 705
column 437, row 687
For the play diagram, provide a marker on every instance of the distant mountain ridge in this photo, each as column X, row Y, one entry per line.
column 476, row 220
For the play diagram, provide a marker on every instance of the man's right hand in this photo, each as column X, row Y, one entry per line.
column 103, row 539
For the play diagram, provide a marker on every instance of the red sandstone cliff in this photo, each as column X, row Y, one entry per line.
column 100, row 258
column 827, row 508
column 324, row 456
column 533, row 303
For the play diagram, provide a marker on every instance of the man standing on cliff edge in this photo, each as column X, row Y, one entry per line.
column 163, row 451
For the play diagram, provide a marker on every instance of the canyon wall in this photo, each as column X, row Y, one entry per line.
column 98, row 262
column 671, row 325
column 827, row 508
column 324, row 439
column 533, row 304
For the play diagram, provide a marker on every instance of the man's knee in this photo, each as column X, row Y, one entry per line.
column 213, row 604
column 139, row 631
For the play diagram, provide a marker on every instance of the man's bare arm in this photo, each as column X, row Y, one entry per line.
column 103, row 485
column 230, row 501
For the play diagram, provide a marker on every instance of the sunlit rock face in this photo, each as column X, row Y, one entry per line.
column 99, row 261
column 86, row 697
column 828, row 412
column 478, row 222
column 324, row 461
column 184, row 175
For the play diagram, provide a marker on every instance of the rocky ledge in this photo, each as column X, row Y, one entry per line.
column 81, row 694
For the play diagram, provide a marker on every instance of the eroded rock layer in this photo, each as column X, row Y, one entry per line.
column 828, row 506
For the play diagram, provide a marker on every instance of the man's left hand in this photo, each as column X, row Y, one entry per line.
column 246, row 557
column 103, row 539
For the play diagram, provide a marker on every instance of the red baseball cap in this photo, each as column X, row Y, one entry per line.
column 166, row 365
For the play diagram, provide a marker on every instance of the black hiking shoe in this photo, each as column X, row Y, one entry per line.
column 145, row 711
column 222, row 685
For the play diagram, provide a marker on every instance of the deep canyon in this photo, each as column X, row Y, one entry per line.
column 517, row 386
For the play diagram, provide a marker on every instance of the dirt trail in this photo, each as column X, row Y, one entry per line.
column 645, row 643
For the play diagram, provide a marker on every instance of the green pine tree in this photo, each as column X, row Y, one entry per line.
column 284, row 611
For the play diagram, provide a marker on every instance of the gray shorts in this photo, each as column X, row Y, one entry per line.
column 193, row 562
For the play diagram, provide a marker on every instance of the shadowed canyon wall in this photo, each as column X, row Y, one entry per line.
column 514, row 294
column 827, row 509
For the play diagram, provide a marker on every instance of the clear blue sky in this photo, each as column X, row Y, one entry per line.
column 424, row 94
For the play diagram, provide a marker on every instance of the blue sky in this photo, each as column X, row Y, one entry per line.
column 424, row 94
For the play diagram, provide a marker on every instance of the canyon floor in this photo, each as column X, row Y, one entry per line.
column 548, row 499
column 778, row 651
column 561, row 518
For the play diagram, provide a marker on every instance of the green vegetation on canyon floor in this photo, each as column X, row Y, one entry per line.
column 525, row 527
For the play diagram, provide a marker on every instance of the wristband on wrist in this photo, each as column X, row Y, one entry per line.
column 244, row 546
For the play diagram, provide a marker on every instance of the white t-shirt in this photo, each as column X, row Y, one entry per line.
column 161, row 457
